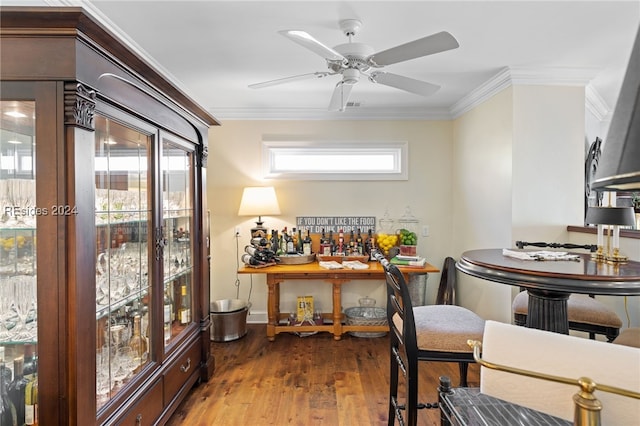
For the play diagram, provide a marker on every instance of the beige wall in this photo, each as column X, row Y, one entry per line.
column 511, row 168
column 482, row 188
column 234, row 162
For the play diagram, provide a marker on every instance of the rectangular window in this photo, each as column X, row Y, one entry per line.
column 321, row 160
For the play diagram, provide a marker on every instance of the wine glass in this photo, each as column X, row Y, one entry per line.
column 6, row 300
column 24, row 299
column 21, row 194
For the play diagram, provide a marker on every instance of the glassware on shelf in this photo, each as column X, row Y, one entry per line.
column 123, row 223
column 407, row 233
column 386, row 238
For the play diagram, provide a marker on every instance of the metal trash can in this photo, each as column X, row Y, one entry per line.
column 228, row 319
column 417, row 289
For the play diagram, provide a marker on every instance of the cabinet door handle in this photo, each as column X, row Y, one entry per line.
column 185, row 368
column 139, row 420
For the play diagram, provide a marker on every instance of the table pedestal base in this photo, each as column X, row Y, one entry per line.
column 548, row 311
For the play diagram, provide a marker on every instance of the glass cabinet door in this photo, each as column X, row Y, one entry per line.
column 18, row 272
column 176, row 165
column 123, row 290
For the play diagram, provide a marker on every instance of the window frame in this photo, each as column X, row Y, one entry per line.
column 398, row 150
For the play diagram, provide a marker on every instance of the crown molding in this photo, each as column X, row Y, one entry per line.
column 506, row 77
column 323, row 114
column 596, row 105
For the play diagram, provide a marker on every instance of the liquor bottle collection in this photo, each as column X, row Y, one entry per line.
column 19, row 390
column 264, row 251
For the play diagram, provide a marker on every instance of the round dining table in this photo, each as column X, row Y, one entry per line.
column 550, row 282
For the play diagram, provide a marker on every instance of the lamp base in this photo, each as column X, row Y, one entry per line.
column 259, row 231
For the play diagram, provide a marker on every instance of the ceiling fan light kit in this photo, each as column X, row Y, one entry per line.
column 351, row 60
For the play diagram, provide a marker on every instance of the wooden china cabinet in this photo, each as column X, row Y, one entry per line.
column 104, row 238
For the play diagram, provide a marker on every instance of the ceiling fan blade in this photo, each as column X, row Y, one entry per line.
column 404, row 83
column 289, row 79
column 340, row 96
column 306, row 40
column 428, row 45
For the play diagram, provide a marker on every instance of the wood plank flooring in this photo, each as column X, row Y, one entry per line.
column 312, row 380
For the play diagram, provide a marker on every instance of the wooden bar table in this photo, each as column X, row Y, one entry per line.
column 336, row 277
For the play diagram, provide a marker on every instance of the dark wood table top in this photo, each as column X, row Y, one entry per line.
column 585, row 276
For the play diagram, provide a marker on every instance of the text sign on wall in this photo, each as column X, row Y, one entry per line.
column 315, row 224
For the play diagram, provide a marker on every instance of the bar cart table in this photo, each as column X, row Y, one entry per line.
column 336, row 277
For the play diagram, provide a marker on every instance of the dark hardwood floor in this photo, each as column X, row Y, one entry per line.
column 312, row 380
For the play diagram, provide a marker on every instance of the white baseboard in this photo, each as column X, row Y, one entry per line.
column 257, row 317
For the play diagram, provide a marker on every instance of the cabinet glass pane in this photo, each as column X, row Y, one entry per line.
column 18, row 272
column 177, row 213
column 123, row 291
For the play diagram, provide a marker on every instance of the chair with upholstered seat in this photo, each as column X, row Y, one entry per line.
column 629, row 337
column 424, row 333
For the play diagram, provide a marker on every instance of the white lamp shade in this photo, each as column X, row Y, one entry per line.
column 259, row 201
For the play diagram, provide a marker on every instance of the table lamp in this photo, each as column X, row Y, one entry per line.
column 619, row 165
column 259, row 201
column 612, row 218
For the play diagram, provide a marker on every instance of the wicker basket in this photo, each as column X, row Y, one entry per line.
column 366, row 315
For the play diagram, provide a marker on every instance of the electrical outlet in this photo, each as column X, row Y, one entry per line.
column 425, row 231
column 237, row 231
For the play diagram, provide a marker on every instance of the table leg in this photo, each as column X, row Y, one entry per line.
column 548, row 311
column 337, row 310
column 273, row 302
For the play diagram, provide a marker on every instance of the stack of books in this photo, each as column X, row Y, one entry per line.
column 408, row 261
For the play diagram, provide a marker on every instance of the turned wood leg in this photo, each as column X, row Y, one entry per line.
column 337, row 310
column 272, row 308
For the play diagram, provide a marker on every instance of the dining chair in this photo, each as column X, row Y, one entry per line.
column 424, row 333
column 629, row 337
column 585, row 313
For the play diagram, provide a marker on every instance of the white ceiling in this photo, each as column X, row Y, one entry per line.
column 214, row 49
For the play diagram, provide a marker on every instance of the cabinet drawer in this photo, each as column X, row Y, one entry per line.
column 180, row 370
column 147, row 410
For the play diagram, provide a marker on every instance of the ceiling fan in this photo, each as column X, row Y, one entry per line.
column 353, row 60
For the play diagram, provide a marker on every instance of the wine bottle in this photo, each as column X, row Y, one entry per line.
column 300, row 245
column 247, row 259
column 325, row 245
column 332, row 243
column 168, row 315
column 274, row 241
column 359, row 243
column 16, row 388
column 30, row 366
column 284, row 241
column 306, row 245
column 137, row 343
column 370, row 244
column 7, row 409
column 31, row 402
column 4, row 371
column 294, row 237
column 352, row 244
column 259, row 241
column 291, row 248
column 340, row 250
column 184, row 312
